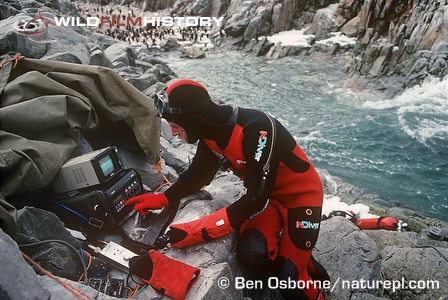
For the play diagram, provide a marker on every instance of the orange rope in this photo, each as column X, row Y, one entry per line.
column 158, row 168
column 15, row 59
column 134, row 292
column 129, row 290
column 160, row 187
column 78, row 293
column 88, row 265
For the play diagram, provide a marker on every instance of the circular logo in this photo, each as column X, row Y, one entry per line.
column 223, row 282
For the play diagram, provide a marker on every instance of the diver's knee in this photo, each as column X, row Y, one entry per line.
column 285, row 270
column 252, row 249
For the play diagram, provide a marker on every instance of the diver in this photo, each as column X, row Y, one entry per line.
column 277, row 220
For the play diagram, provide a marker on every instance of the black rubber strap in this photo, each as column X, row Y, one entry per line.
column 205, row 235
column 378, row 226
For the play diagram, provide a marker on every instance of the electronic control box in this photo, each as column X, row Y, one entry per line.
column 88, row 170
column 102, row 206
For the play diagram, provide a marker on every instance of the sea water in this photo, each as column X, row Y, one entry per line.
column 396, row 148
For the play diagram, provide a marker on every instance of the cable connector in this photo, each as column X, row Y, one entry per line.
column 401, row 225
column 94, row 248
column 436, row 233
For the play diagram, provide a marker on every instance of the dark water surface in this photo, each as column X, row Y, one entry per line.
column 396, row 148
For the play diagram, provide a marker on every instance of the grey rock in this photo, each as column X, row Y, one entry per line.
column 34, row 225
column 253, row 28
column 154, row 5
column 154, row 89
column 98, row 58
column 367, row 36
column 145, row 57
column 30, row 5
column 144, row 81
column 279, row 51
column 153, row 70
column 384, row 203
column 415, row 264
column 352, row 27
column 7, row 11
column 67, row 40
column 347, row 253
column 235, row 29
column 364, row 296
column 194, row 53
column 128, row 71
column 414, row 29
column 163, row 72
column 335, row 48
column 207, row 286
column 415, row 222
column 17, row 279
column 437, row 66
column 200, row 8
column 166, row 74
column 143, row 65
column 348, row 9
column 15, row 4
column 252, row 18
column 441, row 47
column 170, row 44
column 385, row 238
column 68, row 8
column 418, row 71
column 119, row 65
column 120, row 52
column 279, row 13
column 331, row 183
column 64, row 57
column 166, row 130
column 101, row 40
column 135, row 159
column 176, row 153
column 259, row 47
column 58, row 291
column 170, row 157
column 226, row 188
column 426, row 238
column 378, row 65
column 324, row 22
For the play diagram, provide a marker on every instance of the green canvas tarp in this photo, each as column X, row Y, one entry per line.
column 46, row 106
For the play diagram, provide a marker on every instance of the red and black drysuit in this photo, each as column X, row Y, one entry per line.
column 289, row 201
column 278, row 218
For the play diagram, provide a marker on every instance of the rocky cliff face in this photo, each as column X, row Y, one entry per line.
column 399, row 42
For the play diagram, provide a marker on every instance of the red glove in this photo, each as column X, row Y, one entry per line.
column 146, row 202
column 209, row 227
column 168, row 276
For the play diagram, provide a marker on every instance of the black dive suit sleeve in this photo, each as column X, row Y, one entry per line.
column 200, row 172
column 258, row 146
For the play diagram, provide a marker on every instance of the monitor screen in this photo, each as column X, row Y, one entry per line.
column 107, row 165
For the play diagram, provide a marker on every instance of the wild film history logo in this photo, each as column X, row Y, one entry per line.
column 35, row 26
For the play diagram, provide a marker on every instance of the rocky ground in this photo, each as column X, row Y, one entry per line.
column 345, row 251
column 348, row 253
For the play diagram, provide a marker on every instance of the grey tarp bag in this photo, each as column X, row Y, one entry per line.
column 45, row 107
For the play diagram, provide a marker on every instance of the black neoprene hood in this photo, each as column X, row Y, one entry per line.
column 187, row 95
